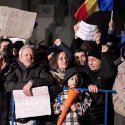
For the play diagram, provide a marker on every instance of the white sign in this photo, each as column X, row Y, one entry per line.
column 36, row 105
column 86, row 31
column 16, row 23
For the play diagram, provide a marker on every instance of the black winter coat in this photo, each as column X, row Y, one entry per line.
column 4, row 102
column 103, row 77
column 19, row 75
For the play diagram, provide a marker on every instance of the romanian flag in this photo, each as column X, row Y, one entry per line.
column 91, row 6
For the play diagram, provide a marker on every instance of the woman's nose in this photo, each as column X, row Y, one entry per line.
column 90, row 62
column 64, row 59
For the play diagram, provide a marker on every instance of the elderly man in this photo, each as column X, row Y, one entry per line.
column 25, row 75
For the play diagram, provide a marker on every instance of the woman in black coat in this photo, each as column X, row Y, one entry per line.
column 102, row 73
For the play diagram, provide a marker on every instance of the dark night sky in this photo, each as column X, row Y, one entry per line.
column 102, row 18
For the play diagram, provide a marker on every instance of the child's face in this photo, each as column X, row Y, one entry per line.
column 73, row 81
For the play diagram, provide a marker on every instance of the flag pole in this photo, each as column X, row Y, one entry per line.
column 112, row 15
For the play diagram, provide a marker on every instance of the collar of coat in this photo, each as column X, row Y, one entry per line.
column 23, row 67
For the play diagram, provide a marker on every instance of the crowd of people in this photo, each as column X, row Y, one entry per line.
column 85, row 64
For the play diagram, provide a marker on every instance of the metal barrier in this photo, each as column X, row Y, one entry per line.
column 82, row 90
column 106, row 100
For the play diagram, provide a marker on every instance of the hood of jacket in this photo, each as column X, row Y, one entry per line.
column 69, row 73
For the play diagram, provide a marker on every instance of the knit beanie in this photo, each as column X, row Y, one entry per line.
column 95, row 52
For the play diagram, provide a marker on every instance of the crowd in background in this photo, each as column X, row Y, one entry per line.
column 85, row 64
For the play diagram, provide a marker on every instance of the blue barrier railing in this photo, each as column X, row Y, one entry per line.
column 106, row 100
column 82, row 90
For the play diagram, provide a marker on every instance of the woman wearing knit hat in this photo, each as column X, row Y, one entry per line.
column 94, row 58
column 102, row 72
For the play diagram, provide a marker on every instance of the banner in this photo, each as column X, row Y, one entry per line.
column 16, row 23
column 36, row 105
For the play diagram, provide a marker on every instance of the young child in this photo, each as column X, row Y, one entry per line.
column 79, row 106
